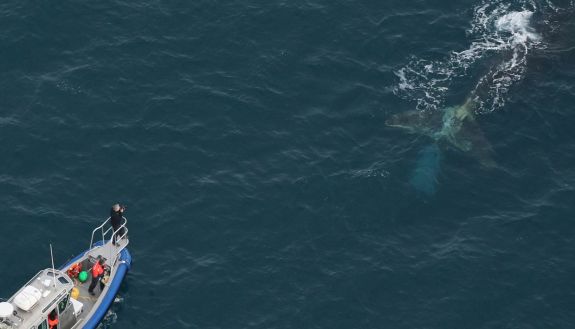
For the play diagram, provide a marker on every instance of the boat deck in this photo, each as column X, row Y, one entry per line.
column 108, row 251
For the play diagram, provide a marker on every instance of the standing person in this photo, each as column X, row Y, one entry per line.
column 97, row 275
column 116, row 219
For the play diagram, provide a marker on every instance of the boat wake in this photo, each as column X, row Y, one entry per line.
column 111, row 316
column 109, row 319
column 501, row 33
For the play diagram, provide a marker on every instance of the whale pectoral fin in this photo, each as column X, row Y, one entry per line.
column 422, row 122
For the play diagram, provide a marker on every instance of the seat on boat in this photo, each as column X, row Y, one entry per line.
column 27, row 298
column 77, row 305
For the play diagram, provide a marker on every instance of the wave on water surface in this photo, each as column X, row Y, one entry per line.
column 500, row 31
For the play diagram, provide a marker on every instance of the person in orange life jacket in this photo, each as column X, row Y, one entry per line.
column 53, row 320
column 97, row 275
column 116, row 219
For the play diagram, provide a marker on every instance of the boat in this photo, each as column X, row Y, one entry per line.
column 61, row 295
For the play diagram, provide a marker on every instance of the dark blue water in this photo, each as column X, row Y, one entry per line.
column 264, row 189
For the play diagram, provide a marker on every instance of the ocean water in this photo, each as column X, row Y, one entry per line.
column 248, row 140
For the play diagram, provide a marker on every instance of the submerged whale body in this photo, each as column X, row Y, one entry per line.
column 453, row 127
column 502, row 37
column 424, row 176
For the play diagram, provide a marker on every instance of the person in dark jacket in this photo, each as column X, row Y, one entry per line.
column 116, row 219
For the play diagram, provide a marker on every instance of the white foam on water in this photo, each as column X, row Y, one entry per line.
column 517, row 24
column 499, row 32
column 510, row 37
column 109, row 319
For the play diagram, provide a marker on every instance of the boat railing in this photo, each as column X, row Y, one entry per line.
column 108, row 233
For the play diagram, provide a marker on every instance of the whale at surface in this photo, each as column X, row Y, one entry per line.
column 454, row 127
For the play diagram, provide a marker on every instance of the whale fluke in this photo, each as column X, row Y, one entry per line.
column 454, row 126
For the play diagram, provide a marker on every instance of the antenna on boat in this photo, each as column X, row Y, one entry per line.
column 53, row 269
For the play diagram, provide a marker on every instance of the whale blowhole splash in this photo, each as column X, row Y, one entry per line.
column 497, row 32
column 518, row 25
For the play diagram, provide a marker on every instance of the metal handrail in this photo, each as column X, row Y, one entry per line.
column 101, row 227
column 96, row 229
column 106, row 231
